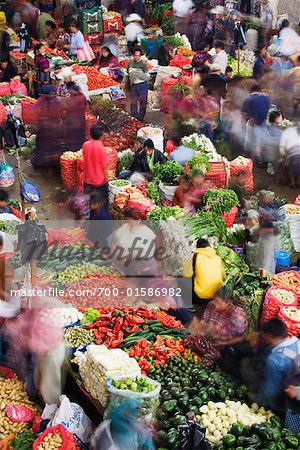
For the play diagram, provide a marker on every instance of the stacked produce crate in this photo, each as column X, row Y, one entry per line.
column 19, row 61
column 91, row 25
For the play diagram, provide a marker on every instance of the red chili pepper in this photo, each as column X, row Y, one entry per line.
column 98, row 342
column 170, row 343
column 143, row 343
column 120, row 335
column 116, row 343
column 118, row 325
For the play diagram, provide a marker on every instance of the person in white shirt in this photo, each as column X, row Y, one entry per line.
column 133, row 31
column 221, row 57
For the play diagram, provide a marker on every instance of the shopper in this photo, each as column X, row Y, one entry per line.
column 7, row 70
column 221, row 57
column 145, row 160
column 214, row 84
column 260, row 67
column 206, row 270
column 290, row 153
column 137, row 76
column 279, row 363
column 99, row 225
column 133, row 31
column 95, row 162
column 201, row 56
column 42, row 64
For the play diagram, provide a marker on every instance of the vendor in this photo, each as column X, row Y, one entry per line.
column 109, row 64
column 145, row 161
column 7, row 70
column 181, row 195
column 52, row 33
column 63, row 37
column 42, row 64
column 77, row 39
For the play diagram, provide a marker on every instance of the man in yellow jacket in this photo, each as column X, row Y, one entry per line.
column 206, row 269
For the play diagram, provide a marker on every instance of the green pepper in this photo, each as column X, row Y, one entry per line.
column 270, row 446
column 276, row 422
column 169, row 406
column 229, row 440
column 291, row 441
column 172, row 438
column 276, row 434
column 237, row 429
column 266, row 433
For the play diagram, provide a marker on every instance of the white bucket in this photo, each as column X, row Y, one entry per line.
column 155, row 134
column 168, row 192
column 114, row 190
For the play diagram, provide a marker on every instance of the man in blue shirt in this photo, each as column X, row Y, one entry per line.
column 256, row 105
column 77, row 39
column 181, row 153
column 279, row 364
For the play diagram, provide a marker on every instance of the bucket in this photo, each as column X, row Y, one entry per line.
column 155, row 134
column 282, row 258
column 168, row 192
column 114, row 190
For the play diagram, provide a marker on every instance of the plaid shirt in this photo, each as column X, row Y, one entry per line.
column 230, row 322
column 200, row 58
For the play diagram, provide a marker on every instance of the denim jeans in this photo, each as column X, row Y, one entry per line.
column 139, row 96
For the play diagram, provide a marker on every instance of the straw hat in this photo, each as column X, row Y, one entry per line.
column 215, row 68
column 134, row 18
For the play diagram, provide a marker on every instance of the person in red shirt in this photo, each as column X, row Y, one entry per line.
column 182, row 192
column 95, row 162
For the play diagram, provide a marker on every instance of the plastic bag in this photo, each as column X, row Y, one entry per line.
column 148, row 401
column 180, row 61
column 68, row 440
column 74, row 419
column 7, row 177
column 17, row 87
column 4, row 89
column 18, row 413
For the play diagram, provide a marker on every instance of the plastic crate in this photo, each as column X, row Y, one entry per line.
column 90, row 15
column 91, row 27
column 94, row 38
column 112, row 24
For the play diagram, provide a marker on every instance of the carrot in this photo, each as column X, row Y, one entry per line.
column 4, row 443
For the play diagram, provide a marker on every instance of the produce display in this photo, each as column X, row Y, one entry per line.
column 138, row 384
column 72, row 155
column 204, row 224
column 50, row 442
column 199, row 163
column 95, row 79
column 165, row 213
column 220, row 201
column 170, row 169
column 13, row 392
column 9, row 226
column 78, row 336
column 289, row 280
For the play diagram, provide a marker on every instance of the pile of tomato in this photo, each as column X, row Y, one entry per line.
column 95, row 79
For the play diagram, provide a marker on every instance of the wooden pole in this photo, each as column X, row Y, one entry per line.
column 20, row 180
column 238, row 55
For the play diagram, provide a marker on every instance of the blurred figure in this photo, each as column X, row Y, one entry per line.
column 290, row 152
column 133, row 31
column 4, row 44
column 279, row 364
column 4, row 27
column 181, row 153
column 266, row 17
column 214, row 84
column 269, row 218
column 33, row 333
column 260, row 66
column 42, row 64
column 137, row 7
column 271, row 142
column 201, row 56
column 137, row 76
column 255, row 110
column 67, row 86
column 123, row 430
column 182, row 10
column 199, row 185
column 99, row 225
column 52, row 34
column 206, row 269
column 41, row 25
column 7, row 70
column 281, row 64
column 199, row 76
column 228, row 74
column 63, row 37
column 289, row 40
column 181, row 196
column 292, row 418
column 76, row 39
column 95, row 162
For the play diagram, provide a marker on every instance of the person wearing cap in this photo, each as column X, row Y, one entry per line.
column 137, row 76
column 133, row 31
column 145, row 160
column 214, row 84
column 221, row 58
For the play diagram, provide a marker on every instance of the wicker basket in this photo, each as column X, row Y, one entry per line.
column 116, row 212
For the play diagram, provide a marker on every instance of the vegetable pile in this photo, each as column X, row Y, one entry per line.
column 204, row 224
column 170, row 169
column 78, row 336
column 165, row 213
column 95, row 79
column 138, row 384
column 220, row 201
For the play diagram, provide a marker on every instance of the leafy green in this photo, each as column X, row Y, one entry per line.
column 168, row 25
column 8, row 226
column 175, row 41
column 204, row 224
column 125, row 160
column 180, row 88
column 165, row 212
column 153, row 192
column 23, row 441
column 89, row 316
column 157, row 12
column 168, row 169
column 199, row 163
column 220, row 201
column 233, row 263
